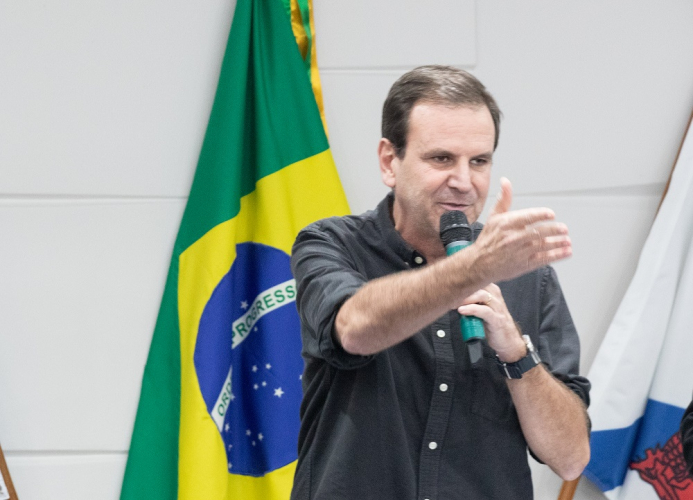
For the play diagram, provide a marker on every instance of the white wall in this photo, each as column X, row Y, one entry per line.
column 103, row 106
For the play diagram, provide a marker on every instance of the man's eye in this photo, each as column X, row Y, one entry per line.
column 480, row 162
column 441, row 159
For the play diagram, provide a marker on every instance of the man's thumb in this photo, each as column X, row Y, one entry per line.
column 504, row 198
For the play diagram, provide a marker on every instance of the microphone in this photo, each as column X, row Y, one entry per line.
column 456, row 235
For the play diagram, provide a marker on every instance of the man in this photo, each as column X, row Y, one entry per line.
column 393, row 408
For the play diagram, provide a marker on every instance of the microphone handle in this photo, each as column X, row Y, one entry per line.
column 471, row 326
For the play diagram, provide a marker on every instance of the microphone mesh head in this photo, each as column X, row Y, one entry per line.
column 454, row 227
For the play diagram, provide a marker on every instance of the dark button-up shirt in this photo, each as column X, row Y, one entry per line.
column 415, row 421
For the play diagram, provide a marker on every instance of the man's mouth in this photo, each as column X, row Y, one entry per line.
column 453, row 206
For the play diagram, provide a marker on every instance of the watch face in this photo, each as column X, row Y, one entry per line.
column 528, row 343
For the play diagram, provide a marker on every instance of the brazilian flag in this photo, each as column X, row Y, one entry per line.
column 218, row 416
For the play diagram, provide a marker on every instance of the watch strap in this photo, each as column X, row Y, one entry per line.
column 521, row 366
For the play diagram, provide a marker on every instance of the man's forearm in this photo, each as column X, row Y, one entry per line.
column 553, row 420
column 391, row 309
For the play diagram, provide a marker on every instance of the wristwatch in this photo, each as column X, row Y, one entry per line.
column 516, row 369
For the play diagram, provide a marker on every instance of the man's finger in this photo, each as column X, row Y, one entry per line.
column 482, row 296
column 520, row 219
column 556, row 242
column 479, row 311
column 547, row 229
column 544, row 258
column 504, row 198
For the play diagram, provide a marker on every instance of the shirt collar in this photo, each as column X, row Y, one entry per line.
column 392, row 238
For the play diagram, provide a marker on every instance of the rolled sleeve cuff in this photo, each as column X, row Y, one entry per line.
column 332, row 351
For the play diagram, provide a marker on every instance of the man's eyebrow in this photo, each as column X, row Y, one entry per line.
column 483, row 156
column 439, row 152
column 446, row 152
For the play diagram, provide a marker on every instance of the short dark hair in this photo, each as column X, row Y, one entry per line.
column 433, row 84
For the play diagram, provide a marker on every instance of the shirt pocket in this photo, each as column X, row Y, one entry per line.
column 490, row 395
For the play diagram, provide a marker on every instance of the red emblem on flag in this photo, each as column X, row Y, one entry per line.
column 665, row 469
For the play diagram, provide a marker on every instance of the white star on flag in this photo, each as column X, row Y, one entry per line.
column 264, row 384
column 244, row 305
column 248, row 433
column 254, row 368
column 278, row 392
column 260, row 436
column 268, row 366
column 226, row 427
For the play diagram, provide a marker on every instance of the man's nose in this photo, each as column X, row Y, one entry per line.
column 460, row 177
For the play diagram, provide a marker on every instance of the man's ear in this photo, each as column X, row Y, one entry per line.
column 388, row 162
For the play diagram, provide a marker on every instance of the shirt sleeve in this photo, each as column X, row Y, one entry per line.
column 559, row 344
column 326, row 278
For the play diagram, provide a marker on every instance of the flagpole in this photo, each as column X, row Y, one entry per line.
column 5, row 477
column 569, row 487
column 678, row 153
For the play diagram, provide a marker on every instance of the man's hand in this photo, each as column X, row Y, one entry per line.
column 502, row 334
column 513, row 243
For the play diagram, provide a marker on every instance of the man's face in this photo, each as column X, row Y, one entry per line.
column 446, row 166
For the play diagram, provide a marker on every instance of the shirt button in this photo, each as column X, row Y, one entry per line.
column 443, row 387
column 440, row 333
column 433, row 445
column 418, row 259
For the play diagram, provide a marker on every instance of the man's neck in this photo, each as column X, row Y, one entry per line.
column 424, row 242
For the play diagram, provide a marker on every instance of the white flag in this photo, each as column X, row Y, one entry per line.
column 642, row 378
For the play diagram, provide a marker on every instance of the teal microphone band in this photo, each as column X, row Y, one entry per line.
column 471, row 326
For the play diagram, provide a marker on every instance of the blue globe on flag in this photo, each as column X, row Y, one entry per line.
column 248, row 363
